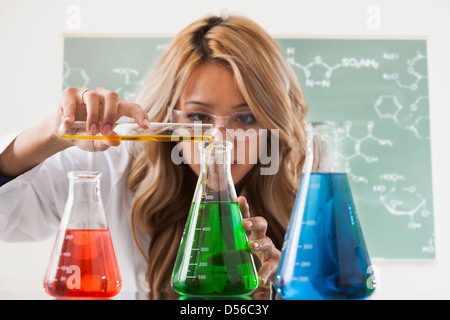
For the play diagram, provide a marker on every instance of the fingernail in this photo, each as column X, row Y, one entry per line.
column 255, row 245
column 146, row 123
column 248, row 223
column 262, row 280
column 67, row 119
column 106, row 129
column 93, row 130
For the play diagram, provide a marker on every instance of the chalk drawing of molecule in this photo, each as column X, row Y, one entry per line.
column 74, row 77
column 431, row 245
column 401, row 201
column 410, row 69
column 420, row 127
column 343, row 136
column 128, row 90
column 318, row 66
column 389, row 107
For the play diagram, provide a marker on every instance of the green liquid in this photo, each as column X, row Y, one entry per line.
column 214, row 256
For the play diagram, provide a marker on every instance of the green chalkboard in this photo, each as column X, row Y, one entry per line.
column 377, row 87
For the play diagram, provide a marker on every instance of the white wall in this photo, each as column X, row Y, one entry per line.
column 31, row 73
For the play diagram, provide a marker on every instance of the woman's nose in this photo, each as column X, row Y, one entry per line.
column 220, row 122
column 220, row 133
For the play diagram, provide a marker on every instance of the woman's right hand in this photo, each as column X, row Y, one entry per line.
column 100, row 108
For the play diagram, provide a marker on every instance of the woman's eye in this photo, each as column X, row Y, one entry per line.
column 246, row 118
column 197, row 116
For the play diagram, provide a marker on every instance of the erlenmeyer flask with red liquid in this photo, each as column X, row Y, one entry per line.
column 83, row 262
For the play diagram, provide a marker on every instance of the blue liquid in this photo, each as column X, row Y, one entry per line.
column 331, row 259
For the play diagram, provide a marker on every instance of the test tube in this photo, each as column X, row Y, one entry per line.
column 131, row 131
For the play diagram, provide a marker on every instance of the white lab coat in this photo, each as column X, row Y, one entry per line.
column 31, row 205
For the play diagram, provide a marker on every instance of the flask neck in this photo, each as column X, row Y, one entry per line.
column 324, row 147
column 215, row 159
column 215, row 172
column 84, row 191
column 84, row 207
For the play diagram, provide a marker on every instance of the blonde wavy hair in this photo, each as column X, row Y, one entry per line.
column 162, row 190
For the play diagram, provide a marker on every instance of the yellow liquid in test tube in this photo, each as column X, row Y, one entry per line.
column 160, row 138
column 130, row 131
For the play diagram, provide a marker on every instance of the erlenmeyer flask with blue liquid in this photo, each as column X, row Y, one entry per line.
column 324, row 255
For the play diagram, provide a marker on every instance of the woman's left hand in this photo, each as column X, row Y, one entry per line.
column 260, row 244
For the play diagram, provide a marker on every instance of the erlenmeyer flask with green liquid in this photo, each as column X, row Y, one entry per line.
column 214, row 257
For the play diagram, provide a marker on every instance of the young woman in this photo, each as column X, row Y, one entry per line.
column 222, row 70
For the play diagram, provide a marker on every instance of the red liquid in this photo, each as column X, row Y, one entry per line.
column 87, row 266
